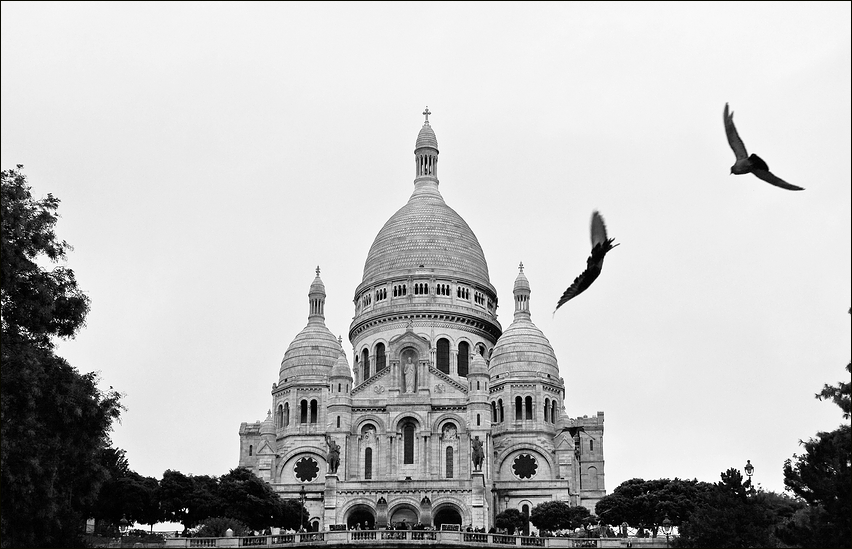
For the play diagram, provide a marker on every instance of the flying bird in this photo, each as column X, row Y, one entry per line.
column 750, row 164
column 600, row 246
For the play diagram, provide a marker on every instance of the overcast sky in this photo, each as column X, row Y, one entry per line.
column 209, row 156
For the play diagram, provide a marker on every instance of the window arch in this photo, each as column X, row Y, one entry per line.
column 304, row 417
column 408, row 443
column 464, row 357
column 286, row 414
column 251, row 449
column 368, row 464
column 279, row 416
column 443, row 355
column 338, row 422
column 380, row 357
column 478, row 420
column 449, row 462
column 313, row 411
column 500, row 405
column 529, row 407
column 365, row 362
column 519, row 411
column 547, row 409
column 553, row 412
column 493, row 412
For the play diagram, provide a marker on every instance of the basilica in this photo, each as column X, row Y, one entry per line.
column 443, row 417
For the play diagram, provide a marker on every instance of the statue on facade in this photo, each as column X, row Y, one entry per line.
column 333, row 457
column 478, row 454
column 408, row 371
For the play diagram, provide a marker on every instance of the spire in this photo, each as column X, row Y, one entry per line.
column 522, row 294
column 316, row 299
column 426, row 152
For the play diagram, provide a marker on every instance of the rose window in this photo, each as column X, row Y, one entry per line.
column 306, row 469
column 524, row 466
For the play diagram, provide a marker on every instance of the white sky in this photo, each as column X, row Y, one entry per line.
column 210, row 156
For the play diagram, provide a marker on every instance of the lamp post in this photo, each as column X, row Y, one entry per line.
column 749, row 470
column 302, row 510
column 667, row 528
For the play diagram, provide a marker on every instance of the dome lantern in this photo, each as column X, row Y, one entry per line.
column 426, row 152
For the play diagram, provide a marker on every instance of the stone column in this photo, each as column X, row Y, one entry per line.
column 330, row 500
column 454, row 362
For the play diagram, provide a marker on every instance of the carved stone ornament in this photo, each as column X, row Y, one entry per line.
column 379, row 389
column 439, row 388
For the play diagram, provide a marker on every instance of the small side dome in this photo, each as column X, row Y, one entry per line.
column 523, row 350
column 268, row 426
column 478, row 366
column 341, row 367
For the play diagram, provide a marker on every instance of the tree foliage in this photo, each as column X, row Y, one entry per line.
column 822, row 477
column 54, row 421
column 642, row 503
column 511, row 520
column 732, row 515
column 558, row 515
column 247, row 498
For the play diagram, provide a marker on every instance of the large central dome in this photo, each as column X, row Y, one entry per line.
column 426, row 234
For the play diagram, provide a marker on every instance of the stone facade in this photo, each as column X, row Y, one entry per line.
column 435, row 378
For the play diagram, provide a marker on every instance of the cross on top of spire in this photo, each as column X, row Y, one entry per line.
column 427, row 113
column 521, row 266
column 318, row 270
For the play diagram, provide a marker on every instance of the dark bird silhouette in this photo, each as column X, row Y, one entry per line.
column 600, row 246
column 750, row 164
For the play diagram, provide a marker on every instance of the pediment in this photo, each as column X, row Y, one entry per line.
column 409, row 339
column 265, row 449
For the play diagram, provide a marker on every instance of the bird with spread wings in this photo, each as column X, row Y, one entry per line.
column 600, row 246
column 750, row 164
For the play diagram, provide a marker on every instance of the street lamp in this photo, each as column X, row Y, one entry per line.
column 302, row 510
column 667, row 528
column 749, row 470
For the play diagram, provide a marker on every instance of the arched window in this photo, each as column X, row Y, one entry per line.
column 286, row 414
column 313, row 411
column 251, row 449
column 339, row 386
column 493, row 412
column 338, row 422
column 408, row 443
column 553, row 412
column 464, row 356
column 304, row 418
column 477, row 420
column 443, row 355
column 591, row 445
column 279, row 416
column 449, row 462
column 380, row 357
column 519, row 408
column 500, row 405
column 529, row 408
column 365, row 362
column 526, row 511
column 368, row 463
column 547, row 409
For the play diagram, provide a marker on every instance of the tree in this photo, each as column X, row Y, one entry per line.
column 294, row 514
column 126, row 495
column 642, row 503
column 731, row 515
column 558, row 515
column 511, row 520
column 821, row 477
column 54, row 421
column 249, row 499
column 215, row 527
